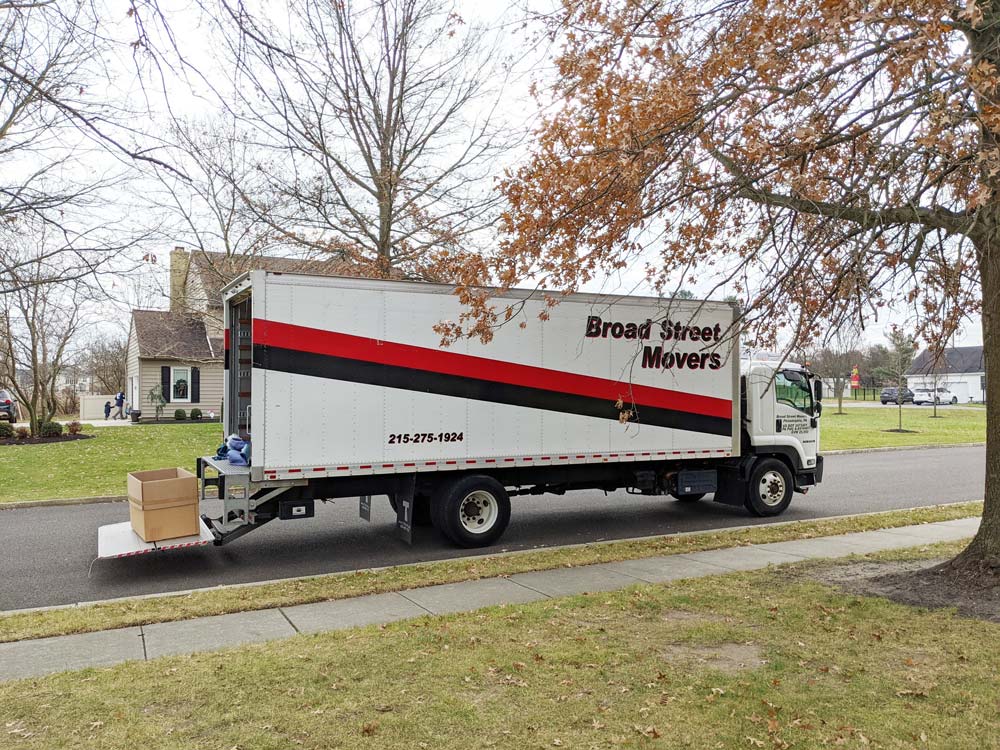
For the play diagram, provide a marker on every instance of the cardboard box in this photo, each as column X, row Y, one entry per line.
column 163, row 504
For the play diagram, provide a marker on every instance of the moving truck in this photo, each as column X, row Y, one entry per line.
column 344, row 389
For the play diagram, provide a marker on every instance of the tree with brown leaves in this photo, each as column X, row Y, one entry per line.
column 828, row 159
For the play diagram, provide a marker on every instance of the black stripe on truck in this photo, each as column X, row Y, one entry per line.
column 427, row 381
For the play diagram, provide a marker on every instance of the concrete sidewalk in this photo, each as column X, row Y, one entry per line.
column 34, row 658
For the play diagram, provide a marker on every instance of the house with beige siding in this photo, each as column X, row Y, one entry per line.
column 172, row 352
column 179, row 352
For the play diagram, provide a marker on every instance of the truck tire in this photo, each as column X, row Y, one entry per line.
column 471, row 511
column 421, row 509
column 769, row 490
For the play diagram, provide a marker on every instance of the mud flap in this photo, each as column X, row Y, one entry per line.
column 405, row 490
column 732, row 489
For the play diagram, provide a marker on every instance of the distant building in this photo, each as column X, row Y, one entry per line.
column 76, row 379
column 181, row 349
column 960, row 369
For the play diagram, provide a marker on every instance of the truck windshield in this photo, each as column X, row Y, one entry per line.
column 792, row 387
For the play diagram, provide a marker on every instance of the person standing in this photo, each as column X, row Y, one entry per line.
column 107, row 410
column 119, row 404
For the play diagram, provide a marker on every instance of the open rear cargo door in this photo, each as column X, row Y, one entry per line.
column 238, row 376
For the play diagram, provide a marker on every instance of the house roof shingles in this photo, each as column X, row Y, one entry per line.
column 954, row 361
column 218, row 269
column 161, row 334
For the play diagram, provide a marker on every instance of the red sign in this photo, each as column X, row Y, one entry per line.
column 855, row 378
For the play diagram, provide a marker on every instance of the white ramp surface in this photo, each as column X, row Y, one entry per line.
column 119, row 540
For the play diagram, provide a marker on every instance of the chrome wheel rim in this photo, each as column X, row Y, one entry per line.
column 479, row 512
column 771, row 489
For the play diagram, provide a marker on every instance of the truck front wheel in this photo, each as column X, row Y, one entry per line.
column 769, row 490
column 472, row 511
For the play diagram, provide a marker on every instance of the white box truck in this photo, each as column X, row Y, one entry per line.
column 344, row 389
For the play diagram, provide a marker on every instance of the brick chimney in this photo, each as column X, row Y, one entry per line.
column 180, row 263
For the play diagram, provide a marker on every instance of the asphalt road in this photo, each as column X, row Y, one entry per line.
column 46, row 553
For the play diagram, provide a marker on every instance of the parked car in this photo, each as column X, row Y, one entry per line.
column 932, row 396
column 893, row 395
column 8, row 406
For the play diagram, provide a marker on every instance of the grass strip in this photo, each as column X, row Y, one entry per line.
column 118, row 614
column 860, row 428
column 744, row 660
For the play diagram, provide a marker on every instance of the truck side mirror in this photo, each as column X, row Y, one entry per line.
column 818, row 390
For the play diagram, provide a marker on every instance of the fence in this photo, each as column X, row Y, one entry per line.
column 92, row 407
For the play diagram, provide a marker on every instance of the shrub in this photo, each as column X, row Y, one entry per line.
column 50, row 430
column 74, row 428
column 6, row 430
column 180, row 415
column 196, row 413
column 22, row 433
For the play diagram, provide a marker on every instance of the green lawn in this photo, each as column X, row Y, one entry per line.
column 754, row 660
column 98, row 466
column 866, row 428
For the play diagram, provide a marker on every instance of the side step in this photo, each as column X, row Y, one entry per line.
column 220, row 535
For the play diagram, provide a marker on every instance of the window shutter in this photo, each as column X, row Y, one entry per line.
column 195, row 385
column 165, row 382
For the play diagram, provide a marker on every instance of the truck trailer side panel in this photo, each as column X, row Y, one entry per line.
column 350, row 378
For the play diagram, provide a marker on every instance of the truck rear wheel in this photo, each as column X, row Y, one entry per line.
column 472, row 511
column 769, row 490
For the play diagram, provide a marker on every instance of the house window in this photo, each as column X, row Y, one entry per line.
column 180, row 380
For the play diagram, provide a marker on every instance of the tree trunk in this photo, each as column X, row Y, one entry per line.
column 984, row 551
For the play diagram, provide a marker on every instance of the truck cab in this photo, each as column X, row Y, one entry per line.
column 780, row 415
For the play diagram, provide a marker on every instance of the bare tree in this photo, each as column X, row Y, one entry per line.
column 836, row 360
column 383, row 115
column 38, row 321
column 105, row 360
column 902, row 349
column 58, row 126
column 224, row 203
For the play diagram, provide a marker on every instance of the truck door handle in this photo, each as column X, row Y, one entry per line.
column 777, row 425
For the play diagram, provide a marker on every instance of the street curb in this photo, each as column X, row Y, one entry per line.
column 123, row 498
column 472, row 558
column 902, row 448
column 65, row 501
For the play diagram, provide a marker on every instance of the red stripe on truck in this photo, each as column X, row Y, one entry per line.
column 318, row 341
